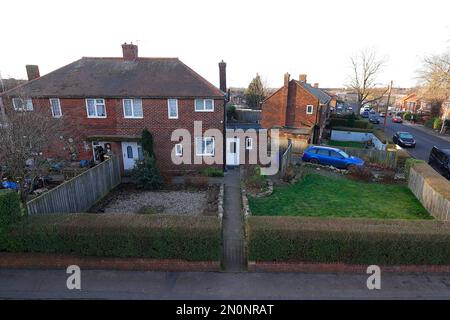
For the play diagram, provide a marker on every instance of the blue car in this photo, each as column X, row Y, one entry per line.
column 330, row 157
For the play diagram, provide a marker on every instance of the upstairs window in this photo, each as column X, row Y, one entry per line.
column 21, row 104
column 172, row 108
column 56, row 107
column 309, row 109
column 96, row 108
column 204, row 105
column 132, row 108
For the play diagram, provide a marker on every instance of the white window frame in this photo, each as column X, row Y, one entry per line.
column 204, row 105
column 168, row 108
column 133, row 115
column 204, row 139
column 95, row 106
column 179, row 150
column 59, row 107
column 312, row 109
column 28, row 107
column 248, row 143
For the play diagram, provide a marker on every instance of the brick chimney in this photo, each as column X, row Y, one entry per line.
column 316, row 85
column 286, row 79
column 32, row 71
column 223, row 76
column 302, row 78
column 130, row 52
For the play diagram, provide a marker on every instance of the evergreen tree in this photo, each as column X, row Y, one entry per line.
column 255, row 93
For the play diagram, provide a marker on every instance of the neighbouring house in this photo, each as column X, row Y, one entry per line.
column 410, row 103
column 299, row 110
column 107, row 102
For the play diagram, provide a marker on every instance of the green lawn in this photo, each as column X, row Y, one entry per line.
column 352, row 144
column 321, row 196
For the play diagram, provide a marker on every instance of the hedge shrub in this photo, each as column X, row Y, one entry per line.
column 107, row 235
column 341, row 122
column 10, row 207
column 353, row 241
column 409, row 162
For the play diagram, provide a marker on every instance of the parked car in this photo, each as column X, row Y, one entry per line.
column 330, row 156
column 440, row 160
column 404, row 139
column 382, row 114
column 372, row 111
column 374, row 119
column 365, row 114
column 397, row 119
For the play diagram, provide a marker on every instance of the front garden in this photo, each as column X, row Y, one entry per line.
column 318, row 195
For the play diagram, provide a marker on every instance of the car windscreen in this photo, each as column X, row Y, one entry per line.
column 342, row 153
column 405, row 136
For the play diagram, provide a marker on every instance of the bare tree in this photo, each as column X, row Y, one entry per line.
column 363, row 80
column 435, row 80
column 24, row 137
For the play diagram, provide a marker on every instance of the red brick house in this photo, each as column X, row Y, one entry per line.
column 109, row 101
column 299, row 109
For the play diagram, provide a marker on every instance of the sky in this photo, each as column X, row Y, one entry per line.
column 271, row 38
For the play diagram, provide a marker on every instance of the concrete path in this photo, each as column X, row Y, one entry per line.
column 100, row 284
column 233, row 249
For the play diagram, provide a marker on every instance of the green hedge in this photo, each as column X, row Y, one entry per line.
column 353, row 241
column 353, row 129
column 10, row 207
column 115, row 235
column 340, row 122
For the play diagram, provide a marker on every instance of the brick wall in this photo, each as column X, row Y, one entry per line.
column 155, row 118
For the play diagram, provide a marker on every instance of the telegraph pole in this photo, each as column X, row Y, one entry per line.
column 387, row 106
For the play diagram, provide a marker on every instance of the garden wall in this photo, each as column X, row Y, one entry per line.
column 357, row 136
column 432, row 190
column 80, row 193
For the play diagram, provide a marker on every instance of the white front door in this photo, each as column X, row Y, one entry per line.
column 131, row 152
column 232, row 150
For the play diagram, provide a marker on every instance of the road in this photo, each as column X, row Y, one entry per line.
column 99, row 284
column 424, row 140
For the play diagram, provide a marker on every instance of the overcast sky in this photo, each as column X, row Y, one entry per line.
column 269, row 37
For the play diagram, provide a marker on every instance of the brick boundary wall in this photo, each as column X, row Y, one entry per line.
column 341, row 268
column 53, row 261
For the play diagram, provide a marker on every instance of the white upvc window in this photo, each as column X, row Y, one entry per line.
column 96, row 108
column 204, row 105
column 309, row 109
column 204, row 146
column 21, row 104
column 248, row 143
column 172, row 108
column 55, row 105
column 179, row 150
column 132, row 108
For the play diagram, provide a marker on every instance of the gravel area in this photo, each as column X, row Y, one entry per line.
column 161, row 202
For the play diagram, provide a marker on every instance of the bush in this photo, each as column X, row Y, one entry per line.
column 109, row 235
column 10, row 207
column 211, row 172
column 407, row 115
column 360, row 173
column 437, row 123
column 350, row 123
column 146, row 174
column 347, row 240
column 429, row 123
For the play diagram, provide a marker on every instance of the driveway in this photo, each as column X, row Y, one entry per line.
column 100, row 284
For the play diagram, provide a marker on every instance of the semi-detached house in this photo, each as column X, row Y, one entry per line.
column 109, row 101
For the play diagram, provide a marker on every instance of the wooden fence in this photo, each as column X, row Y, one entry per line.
column 387, row 158
column 79, row 193
column 285, row 159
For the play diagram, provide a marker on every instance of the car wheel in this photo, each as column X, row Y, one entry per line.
column 314, row 161
column 350, row 166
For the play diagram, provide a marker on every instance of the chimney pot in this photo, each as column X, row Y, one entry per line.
column 223, row 76
column 32, row 71
column 302, row 78
column 130, row 52
column 316, row 85
column 286, row 79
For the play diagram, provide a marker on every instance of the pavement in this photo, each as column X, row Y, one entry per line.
column 100, row 284
column 425, row 139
